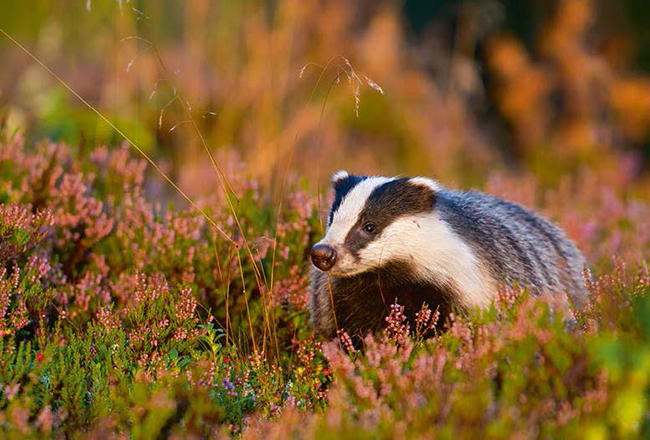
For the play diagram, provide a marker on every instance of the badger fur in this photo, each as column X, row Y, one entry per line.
column 413, row 241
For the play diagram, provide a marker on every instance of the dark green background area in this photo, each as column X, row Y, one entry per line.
column 525, row 18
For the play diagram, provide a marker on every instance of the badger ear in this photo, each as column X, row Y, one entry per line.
column 339, row 176
column 427, row 189
column 425, row 182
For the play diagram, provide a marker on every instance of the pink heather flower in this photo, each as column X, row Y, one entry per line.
column 14, row 217
column 186, row 307
column 19, row 417
column 19, row 317
column 5, row 296
column 11, row 391
column 292, row 290
column 262, row 245
column 346, row 342
column 426, row 320
column 397, row 329
column 507, row 297
column 107, row 319
column 130, row 170
column 45, row 420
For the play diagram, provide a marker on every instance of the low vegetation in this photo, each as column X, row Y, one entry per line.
column 121, row 315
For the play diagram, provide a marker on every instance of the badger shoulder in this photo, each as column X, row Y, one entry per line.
column 517, row 245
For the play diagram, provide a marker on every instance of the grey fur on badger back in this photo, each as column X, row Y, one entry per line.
column 413, row 241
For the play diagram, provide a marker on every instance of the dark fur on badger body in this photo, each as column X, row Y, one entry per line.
column 413, row 241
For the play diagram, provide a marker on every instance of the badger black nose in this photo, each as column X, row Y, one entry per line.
column 323, row 256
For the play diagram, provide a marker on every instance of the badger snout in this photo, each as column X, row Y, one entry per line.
column 323, row 256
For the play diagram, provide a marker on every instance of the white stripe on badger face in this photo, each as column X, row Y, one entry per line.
column 436, row 253
column 348, row 212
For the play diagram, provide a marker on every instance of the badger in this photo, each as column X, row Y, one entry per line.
column 412, row 241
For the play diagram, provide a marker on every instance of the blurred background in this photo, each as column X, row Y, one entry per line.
column 471, row 89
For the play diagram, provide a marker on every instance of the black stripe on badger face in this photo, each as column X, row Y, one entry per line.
column 342, row 187
column 388, row 202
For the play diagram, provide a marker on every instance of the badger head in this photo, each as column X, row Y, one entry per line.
column 375, row 221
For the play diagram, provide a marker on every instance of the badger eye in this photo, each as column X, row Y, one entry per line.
column 369, row 228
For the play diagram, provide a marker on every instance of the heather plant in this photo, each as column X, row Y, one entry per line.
column 139, row 295
column 153, row 333
column 159, row 326
column 509, row 371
